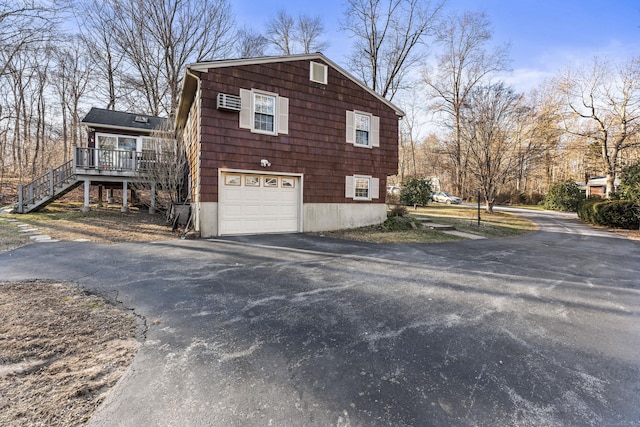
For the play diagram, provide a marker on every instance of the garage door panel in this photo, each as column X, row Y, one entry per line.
column 234, row 196
column 259, row 209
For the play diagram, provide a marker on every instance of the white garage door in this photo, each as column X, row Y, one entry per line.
column 253, row 204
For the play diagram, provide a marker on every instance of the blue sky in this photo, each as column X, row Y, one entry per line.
column 545, row 36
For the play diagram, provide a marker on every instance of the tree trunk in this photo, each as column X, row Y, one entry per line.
column 488, row 206
column 489, row 201
column 610, row 188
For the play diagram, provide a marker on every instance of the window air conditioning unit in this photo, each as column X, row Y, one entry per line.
column 228, row 102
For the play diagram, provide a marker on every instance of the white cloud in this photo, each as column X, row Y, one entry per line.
column 525, row 79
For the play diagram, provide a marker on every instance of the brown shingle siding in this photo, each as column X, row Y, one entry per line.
column 315, row 145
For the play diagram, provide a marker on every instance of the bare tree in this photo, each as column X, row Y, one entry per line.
column 41, row 106
column 289, row 35
column 100, row 41
column 387, row 35
column 25, row 26
column 489, row 127
column 72, row 75
column 27, row 108
column 539, row 140
column 280, row 32
column 164, row 165
column 157, row 39
column 409, row 129
column 309, row 31
column 251, row 44
column 463, row 64
column 23, row 23
column 604, row 103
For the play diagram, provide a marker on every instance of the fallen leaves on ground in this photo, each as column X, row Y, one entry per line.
column 61, row 350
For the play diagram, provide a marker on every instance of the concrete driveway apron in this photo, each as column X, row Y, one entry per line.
column 291, row 330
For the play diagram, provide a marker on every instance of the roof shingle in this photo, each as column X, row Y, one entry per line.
column 100, row 117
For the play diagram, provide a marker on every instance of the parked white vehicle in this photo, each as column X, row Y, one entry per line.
column 444, row 197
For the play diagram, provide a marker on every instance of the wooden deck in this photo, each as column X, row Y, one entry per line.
column 89, row 166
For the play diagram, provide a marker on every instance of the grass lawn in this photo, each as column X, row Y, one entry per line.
column 64, row 220
column 463, row 218
column 376, row 234
column 10, row 238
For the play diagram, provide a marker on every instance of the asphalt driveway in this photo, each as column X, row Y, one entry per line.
column 292, row 330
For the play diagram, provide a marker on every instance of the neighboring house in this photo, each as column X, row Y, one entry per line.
column 119, row 146
column 598, row 186
column 285, row 144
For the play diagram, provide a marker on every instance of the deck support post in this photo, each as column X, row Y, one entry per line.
column 100, row 187
column 52, row 187
column 87, row 187
column 152, row 205
column 109, row 195
column 20, row 198
column 124, row 207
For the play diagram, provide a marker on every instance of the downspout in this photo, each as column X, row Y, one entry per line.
column 189, row 73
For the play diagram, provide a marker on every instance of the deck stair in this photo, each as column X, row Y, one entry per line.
column 47, row 188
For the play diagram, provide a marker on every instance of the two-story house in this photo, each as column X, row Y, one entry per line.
column 285, row 144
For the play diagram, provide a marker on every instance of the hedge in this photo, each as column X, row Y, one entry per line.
column 415, row 191
column 610, row 213
column 563, row 196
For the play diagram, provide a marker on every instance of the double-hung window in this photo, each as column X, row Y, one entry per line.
column 264, row 112
column 363, row 129
column 362, row 187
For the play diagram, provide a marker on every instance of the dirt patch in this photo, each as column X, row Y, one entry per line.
column 629, row 234
column 65, row 221
column 8, row 190
column 102, row 225
column 61, row 350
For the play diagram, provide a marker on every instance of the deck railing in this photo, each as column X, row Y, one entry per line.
column 117, row 162
column 112, row 160
column 45, row 185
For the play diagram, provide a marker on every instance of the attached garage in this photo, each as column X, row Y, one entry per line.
column 253, row 203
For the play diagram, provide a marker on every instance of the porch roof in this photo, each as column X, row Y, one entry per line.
column 111, row 119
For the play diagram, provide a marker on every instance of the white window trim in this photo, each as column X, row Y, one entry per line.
column 355, row 189
column 374, row 129
column 350, row 187
column 255, row 93
column 117, row 135
column 247, row 112
column 355, row 129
